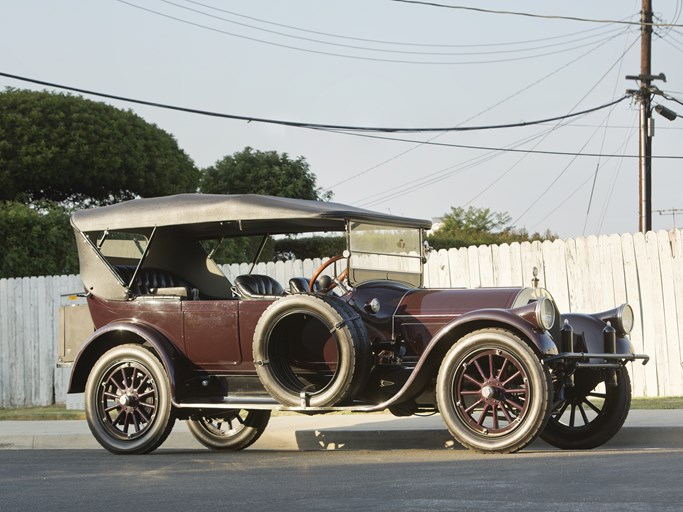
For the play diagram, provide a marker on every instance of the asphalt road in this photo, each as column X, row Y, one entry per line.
column 254, row 480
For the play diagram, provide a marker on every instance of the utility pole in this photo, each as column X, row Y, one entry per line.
column 647, row 125
column 645, row 175
column 644, row 94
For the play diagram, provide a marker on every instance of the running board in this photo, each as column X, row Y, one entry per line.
column 267, row 403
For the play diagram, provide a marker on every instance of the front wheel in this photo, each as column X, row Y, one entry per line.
column 492, row 392
column 128, row 401
column 230, row 430
column 591, row 412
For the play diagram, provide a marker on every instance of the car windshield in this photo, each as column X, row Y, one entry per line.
column 384, row 253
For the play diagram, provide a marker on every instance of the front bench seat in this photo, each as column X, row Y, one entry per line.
column 257, row 286
column 301, row 285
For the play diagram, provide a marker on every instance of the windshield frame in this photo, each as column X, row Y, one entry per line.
column 385, row 263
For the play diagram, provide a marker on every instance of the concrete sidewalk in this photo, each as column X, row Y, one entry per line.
column 643, row 429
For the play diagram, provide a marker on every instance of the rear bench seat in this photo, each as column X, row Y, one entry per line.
column 154, row 281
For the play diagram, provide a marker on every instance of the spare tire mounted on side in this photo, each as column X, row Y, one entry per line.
column 311, row 351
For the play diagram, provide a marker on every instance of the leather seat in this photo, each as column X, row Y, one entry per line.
column 149, row 280
column 257, row 286
column 301, row 284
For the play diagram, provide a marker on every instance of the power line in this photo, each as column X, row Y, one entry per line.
column 383, row 50
column 509, row 97
column 380, row 41
column 358, row 131
column 316, row 126
column 559, row 125
column 491, row 148
column 530, row 15
column 358, row 57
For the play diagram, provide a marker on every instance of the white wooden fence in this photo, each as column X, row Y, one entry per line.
column 584, row 275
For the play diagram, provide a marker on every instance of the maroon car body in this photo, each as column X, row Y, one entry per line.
column 175, row 339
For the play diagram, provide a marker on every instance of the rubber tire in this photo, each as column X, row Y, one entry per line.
column 539, row 388
column 353, row 348
column 600, row 429
column 213, row 437
column 161, row 421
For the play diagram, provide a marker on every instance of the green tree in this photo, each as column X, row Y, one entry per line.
column 73, row 150
column 262, row 172
column 270, row 173
column 479, row 226
column 38, row 240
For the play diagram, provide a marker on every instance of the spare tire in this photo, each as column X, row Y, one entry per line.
column 311, row 351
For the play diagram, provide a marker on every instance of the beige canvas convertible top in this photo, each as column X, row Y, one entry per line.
column 228, row 215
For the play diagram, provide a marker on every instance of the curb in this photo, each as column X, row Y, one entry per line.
column 353, row 439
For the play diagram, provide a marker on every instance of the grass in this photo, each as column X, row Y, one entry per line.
column 60, row 412
column 667, row 402
column 50, row 412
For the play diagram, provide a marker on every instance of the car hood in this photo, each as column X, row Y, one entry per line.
column 455, row 302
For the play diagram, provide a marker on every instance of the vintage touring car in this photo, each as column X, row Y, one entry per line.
column 172, row 338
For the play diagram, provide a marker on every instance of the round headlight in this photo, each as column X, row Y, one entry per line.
column 545, row 313
column 625, row 318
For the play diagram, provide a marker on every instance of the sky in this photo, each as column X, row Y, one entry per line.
column 384, row 63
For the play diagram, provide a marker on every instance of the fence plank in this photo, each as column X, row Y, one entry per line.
column 516, row 264
column 633, row 297
column 604, row 298
column 486, row 270
column 458, row 262
column 670, row 325
column 650, row 314
column 473, row 267
column 5, row 341
column 617, row 262
column 555, row 273
column 676, row 241
column 502, row 265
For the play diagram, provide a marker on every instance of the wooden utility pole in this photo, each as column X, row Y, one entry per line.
column 645, row 175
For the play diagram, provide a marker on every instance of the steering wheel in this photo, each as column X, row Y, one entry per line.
column 335, row 281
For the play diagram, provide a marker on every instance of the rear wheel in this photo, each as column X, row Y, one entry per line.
column 591, row 413
column 128, row 401
column 492, row 392
column 229, row 430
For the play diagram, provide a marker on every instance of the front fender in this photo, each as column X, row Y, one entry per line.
column 431, row 358
column 119, row 333
column 588, row 335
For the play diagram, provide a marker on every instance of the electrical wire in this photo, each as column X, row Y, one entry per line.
column 499, row 178
column 357, row 57
column 493, row 148
column 386, row 42
column 568, row 197
column 604, row 137
column 530, row 15
column 618, row 61
column 513, row 95
column 317, row 126
column 441, row 175
column 383, row 50
column 671, row 98
column 614, row 181
column 551, row 185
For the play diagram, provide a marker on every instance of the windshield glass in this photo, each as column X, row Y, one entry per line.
column 385, row 253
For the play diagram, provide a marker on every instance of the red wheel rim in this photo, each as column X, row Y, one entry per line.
column 491, row 392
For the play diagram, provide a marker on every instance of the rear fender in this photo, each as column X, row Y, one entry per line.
column 120, row 333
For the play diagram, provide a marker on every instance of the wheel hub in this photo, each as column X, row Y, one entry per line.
column 128, row 400
column 492, row 391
